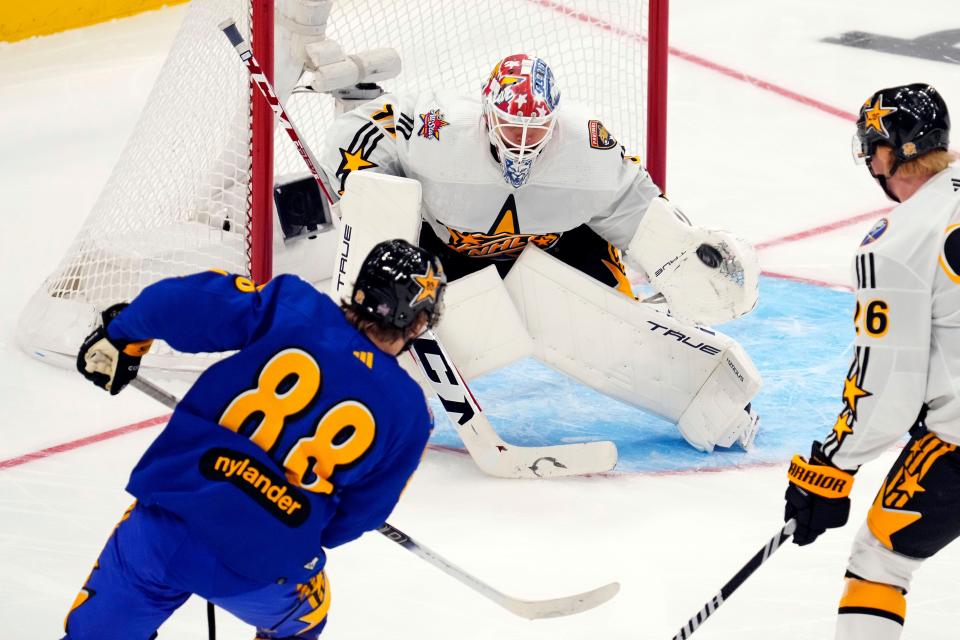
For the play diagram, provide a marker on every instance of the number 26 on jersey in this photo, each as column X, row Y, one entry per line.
column 872, row 318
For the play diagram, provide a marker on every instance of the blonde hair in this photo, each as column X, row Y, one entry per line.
column 927, row 164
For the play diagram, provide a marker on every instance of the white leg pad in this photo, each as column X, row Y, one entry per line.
column 872, row 561
column 715, row 416
column 375, row 207
column 480, row 327
column 631, row 351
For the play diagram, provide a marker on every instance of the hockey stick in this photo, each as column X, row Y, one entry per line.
column 734, row 583
column 486, row 447
column 489, row 451
column 529, row 609
column 229, row 28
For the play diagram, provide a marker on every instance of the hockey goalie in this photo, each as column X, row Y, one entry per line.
column 533, row 206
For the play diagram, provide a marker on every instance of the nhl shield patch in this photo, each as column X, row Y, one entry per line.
column 874, row 234
column 432, row 123
column 600, row 138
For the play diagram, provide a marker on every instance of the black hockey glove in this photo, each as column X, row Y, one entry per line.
column 108, row 363
column 817, row 496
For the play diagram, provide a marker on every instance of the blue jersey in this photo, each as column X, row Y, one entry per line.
column 303, row 439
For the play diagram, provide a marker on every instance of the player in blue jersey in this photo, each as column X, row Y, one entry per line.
column 301, row 441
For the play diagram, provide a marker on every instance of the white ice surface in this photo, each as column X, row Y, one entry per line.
column 740, row 156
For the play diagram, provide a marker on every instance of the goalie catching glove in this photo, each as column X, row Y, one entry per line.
column 707, row 276
column 108, row 363
column 817, row 497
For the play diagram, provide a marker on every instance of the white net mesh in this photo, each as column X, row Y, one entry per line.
column 177, row 201
column 596, row 48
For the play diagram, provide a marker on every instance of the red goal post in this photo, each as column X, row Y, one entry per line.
column 193, row 188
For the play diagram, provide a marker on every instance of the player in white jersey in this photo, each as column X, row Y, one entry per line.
column 509, row 169
column 512, row 169
column 905, row 374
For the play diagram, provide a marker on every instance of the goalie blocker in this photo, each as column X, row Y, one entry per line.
column 695, row 377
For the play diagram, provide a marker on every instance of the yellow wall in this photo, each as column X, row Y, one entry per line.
column 21, row 19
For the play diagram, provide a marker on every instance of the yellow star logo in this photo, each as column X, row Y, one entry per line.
column 842, row 427
column 910, row 484
column 874, row 117
column 852, row 393
column 353, row 161
column 885, row 522
column 429, row 286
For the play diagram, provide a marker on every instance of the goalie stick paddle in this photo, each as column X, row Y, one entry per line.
column 738, row 579
column 491, row 453
column 529, row 609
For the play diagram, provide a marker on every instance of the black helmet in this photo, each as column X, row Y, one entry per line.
column 397, row 281
column 911, row 119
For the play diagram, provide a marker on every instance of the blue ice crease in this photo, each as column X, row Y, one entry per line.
column 800, row 338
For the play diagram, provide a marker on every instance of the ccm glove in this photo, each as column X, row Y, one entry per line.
column 817, row 496
column 108, row 363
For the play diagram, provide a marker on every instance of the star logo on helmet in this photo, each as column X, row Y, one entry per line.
column 873, row 117
column 429, row 286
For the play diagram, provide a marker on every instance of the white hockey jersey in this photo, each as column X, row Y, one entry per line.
column 907, row 319
column 582, row 176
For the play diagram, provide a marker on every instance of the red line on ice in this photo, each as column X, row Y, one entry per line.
column 701, row 61
column 82, row 442
column 606, row 26
column 815, row 231
column 152, row 422
column 763, row 84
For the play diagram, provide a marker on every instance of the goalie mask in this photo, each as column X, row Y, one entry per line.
column 520, row 99
column 396, row 282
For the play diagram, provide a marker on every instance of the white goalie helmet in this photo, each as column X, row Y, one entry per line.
column 520, row 99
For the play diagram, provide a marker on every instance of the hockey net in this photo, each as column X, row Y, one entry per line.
column 179, row 199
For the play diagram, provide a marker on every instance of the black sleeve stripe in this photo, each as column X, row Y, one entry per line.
column 365, row 128
column 856, row 264
column 873, row 273
column 374, row 131
column 854, row 362
column 373, row 143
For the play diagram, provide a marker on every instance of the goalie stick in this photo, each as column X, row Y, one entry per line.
column 486, row 447
column 738, row 579
column 490, row 452
column 529, row 609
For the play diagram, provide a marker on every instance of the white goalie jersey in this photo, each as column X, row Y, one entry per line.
column 907, row 318
column 583, row 176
